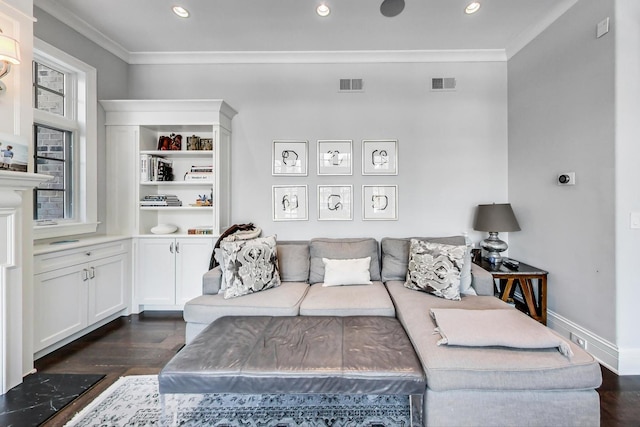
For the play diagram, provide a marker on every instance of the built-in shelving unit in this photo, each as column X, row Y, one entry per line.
column 134, row 128
column 168, row 268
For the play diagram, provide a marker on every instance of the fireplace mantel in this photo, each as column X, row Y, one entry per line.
column 13, row 215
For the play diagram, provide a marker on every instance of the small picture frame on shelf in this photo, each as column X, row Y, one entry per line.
column 335, row 157
column 206, row 144
column 289, row 158
column 335, row 202
column 172, row 142
column 193, row 143
column 380, row 202
column 380, row 157
column 290, row 203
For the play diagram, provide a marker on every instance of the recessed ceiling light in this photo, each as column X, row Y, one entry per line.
column 473, row 7
column 323, row 10
column 180, row 11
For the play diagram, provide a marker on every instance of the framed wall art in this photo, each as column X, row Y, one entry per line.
column 290, row 203
column 290, row 158
column 380, row 202
column 380, row 157
column 335, row 157
column 335, row 202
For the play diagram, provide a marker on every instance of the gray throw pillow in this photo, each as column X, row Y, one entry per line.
column 435, row 268
column 250, row 266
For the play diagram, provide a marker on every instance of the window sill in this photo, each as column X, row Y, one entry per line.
column 63, row 230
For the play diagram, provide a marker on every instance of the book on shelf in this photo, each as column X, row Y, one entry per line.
column 197, row 168
column 198, row 176
column 157, row 200
column 200, row 230
column 154, row 168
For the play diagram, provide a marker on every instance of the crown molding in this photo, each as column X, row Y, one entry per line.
column 319, row 57
column 67, row 17
column 528, row 35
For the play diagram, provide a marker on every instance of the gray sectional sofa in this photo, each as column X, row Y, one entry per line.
column 466, row 386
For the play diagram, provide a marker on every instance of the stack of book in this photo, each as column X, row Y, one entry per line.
column 200, row 230
column 160, row 200
column 199, row 173
column 154, row 168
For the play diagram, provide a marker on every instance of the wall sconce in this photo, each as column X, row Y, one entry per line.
column 9, row 54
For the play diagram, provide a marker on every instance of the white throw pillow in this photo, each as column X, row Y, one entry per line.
column 340, row 272
column 465, row 275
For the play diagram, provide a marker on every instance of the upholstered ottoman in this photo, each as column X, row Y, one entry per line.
column 302, row 354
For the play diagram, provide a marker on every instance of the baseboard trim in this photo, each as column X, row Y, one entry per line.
column 604, row 351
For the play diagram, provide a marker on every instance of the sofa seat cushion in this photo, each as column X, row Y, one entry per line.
column 283, row 300
column 354, row 300
column 342, row 249
column 486, row 368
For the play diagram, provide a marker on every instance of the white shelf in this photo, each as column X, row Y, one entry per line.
column 176, row 208
column 178, row 153
column 177, row 183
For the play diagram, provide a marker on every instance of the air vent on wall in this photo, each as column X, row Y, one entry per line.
column 351, row 85
column 441, row 83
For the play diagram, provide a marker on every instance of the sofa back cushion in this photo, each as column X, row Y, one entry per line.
column 293, row 261
column 347, row 248
column 395, row 254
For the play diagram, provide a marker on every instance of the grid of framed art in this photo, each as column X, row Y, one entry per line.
column 335, row 202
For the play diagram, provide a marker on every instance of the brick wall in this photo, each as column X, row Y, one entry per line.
column 51, row 144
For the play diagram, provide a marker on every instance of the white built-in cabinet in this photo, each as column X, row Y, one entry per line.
column 77, row 288
column 167, row 268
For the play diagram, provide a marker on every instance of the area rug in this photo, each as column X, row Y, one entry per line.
column 41, row 396
column 134, row 401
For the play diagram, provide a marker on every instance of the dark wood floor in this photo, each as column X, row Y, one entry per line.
column 143, row 344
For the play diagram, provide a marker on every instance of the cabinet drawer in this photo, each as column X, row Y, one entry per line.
column 65, row 258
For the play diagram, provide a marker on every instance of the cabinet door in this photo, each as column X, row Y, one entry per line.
column 155, row 276
column 192, row 261
column 107, row 287
column 60, row 304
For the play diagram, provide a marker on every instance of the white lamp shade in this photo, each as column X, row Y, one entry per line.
column 9, row 50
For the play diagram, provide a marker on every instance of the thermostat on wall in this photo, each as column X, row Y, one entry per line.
column 566, row 178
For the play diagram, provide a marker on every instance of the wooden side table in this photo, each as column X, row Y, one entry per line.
column 523, row 277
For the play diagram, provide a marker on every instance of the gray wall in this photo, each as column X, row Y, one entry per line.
column 452, row 145
column 561, row 119
column 112, row 80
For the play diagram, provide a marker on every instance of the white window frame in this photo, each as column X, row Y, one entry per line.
column 81, row 104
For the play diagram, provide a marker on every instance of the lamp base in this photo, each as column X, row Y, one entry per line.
column 493, row 246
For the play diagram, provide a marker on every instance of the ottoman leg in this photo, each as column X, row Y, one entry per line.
column 415, row 407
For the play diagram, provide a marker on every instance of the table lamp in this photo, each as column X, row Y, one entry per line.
column 495, row 218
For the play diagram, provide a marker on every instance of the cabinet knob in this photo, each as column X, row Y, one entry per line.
column 88, row 253
column 171, row 247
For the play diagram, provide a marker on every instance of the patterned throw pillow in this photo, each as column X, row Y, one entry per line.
column 250, row 266
column 435, row 268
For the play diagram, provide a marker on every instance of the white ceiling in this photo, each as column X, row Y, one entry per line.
column 128, row 28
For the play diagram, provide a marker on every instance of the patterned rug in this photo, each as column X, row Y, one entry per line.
column 134, row 401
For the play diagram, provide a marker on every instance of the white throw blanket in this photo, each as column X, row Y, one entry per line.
column 500, row 327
